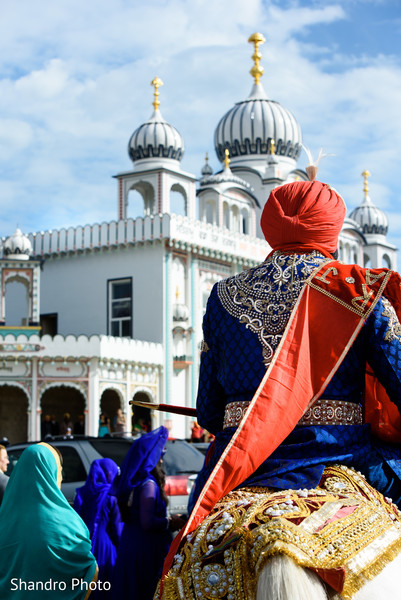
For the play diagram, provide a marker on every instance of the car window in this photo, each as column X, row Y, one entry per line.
column 73, row 469
column 182, row 458
column 13, row 456
column 114, row 449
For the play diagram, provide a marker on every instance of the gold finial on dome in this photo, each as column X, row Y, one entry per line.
column 157, row 82
column 177, row 293
column 272, row 146
column 257, row 71
column 365, row 174
column 227, row 158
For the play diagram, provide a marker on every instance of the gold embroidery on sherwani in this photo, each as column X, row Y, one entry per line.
column 264, row 305
column 343, row 523
column 204, row 347
column 393, row 328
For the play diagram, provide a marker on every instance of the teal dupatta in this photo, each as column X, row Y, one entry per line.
column 45, row 549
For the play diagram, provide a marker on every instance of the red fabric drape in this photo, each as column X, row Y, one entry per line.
column 380, row 412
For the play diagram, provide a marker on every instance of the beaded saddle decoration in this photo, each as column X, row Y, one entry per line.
column 344, row 530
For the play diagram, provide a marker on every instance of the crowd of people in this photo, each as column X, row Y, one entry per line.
column 284, row 391
column 50, row 427
column 114, row 539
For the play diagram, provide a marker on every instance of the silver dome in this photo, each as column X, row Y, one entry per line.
column 156, row 139
column 370, row 218
column 206, row 169
column 250, row 126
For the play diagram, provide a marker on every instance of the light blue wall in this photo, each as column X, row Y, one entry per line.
column 75, row 287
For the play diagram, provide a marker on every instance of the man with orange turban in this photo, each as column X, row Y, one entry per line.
column 282, row 381
column 246, row 319
column 303, row 216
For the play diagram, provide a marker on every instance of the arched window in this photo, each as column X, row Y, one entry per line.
column 244, row 221
column 141, row 200
column 136, row 204
column 236, row 225
column 386, row 260
column 226, row 215
column 178, row 201
column 210, row 212
column 17, row 303
column 347, row 254
column 366, row 261
column 340, row 251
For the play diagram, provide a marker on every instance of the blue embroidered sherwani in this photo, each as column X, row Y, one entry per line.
column 245, row 318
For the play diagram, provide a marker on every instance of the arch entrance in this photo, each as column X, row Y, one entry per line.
column 141, row 418
column 13, row 414
column 110, row 401
column 61, row 400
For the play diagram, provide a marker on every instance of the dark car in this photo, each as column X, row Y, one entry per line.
column 182, row 462
column 202, row 446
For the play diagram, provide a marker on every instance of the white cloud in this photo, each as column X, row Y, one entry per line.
column 286, row 22
column 15, row 136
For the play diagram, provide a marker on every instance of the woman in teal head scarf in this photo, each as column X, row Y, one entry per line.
column 45, row 550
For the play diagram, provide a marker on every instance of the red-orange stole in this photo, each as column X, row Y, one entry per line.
column 329, row 313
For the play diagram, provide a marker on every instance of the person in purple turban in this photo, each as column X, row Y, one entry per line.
column 99, row 510
column 147, row 530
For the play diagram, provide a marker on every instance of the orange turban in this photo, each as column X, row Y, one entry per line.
column 303, row 216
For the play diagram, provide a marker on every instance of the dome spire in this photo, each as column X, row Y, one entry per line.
column 246, row 129
column 272, row 146
column 257, row 71
column 365, row 174
column 371, row 219
column 157, row 82
column 227, row 158
column 156, row 139
column 206, row 169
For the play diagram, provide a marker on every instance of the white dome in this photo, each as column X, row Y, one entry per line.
column 180, row 312
column 156, row 139
column 370, row 218
column 249, row 127
column 226, row 176
column 17, row 246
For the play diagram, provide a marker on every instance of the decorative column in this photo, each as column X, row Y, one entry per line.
column 194, row 304
column 92, row 409
column 168, row 342
column 34, row 405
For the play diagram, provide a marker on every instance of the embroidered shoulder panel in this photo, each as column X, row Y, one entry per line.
column 393, row 328
column 263, row 297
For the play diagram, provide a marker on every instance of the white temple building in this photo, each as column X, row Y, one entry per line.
column 94, row 316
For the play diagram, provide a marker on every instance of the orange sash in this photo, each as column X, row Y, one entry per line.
column 329, row 313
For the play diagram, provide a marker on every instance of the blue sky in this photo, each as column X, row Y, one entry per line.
column 75, row 83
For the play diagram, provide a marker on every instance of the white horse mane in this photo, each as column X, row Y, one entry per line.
column 282, row 579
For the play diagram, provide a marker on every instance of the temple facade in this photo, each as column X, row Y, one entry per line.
column 94, row 316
